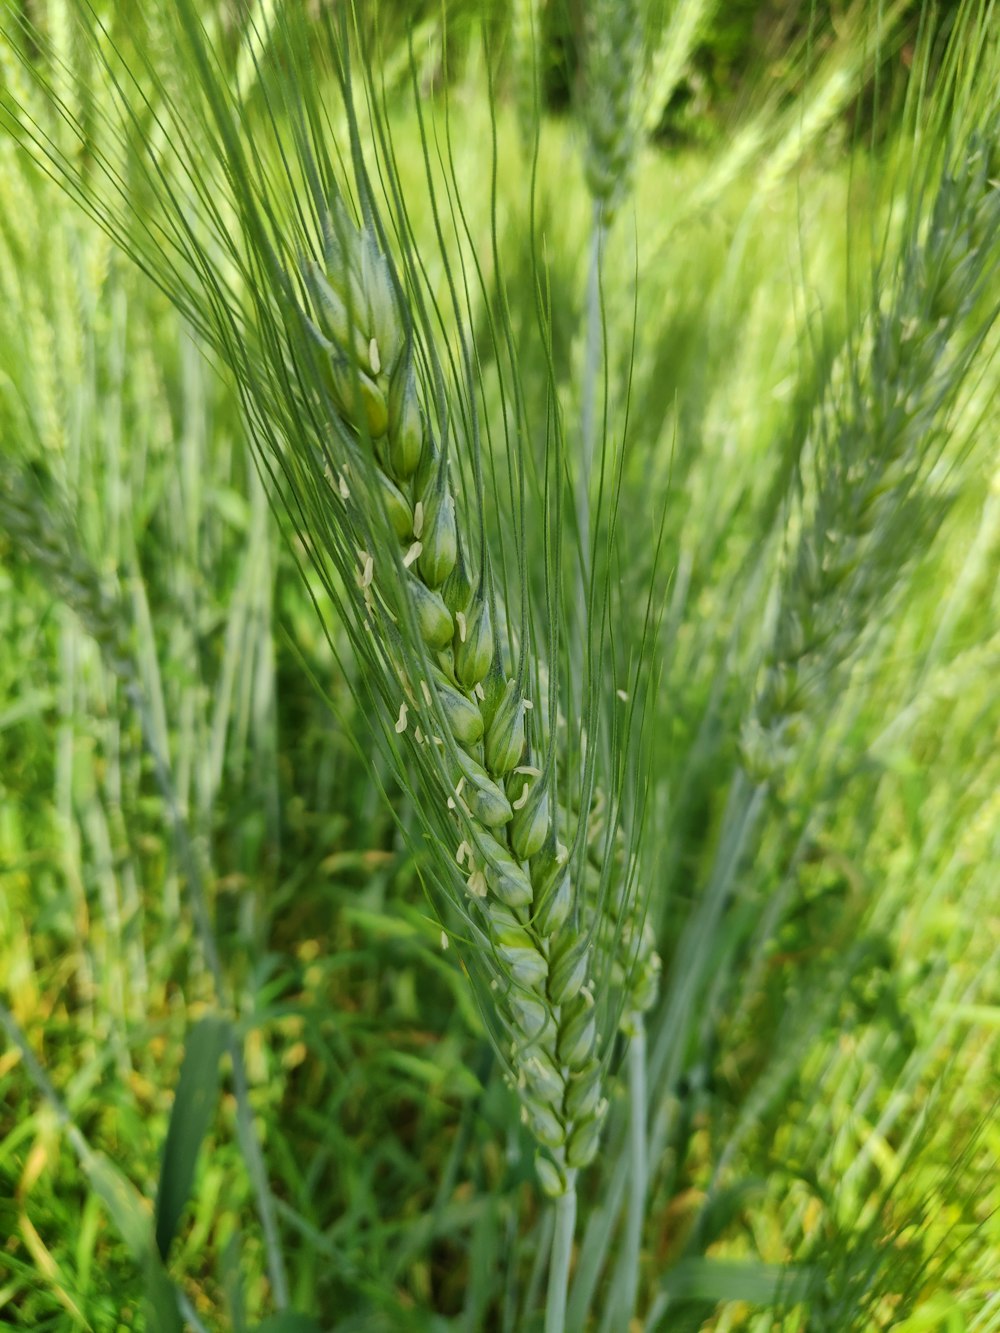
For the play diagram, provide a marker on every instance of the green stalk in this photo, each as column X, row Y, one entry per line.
column 562, row 1252
column 638, row 1161
column 588, row 389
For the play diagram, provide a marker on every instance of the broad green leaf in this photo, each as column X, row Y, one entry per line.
column 162, row 1312
column 194, row 1105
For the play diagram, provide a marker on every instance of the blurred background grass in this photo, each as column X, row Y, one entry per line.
column 831, row 1100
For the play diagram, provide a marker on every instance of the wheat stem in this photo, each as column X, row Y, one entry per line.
column 562, row 1253
column 588, row 393
column 638, row 1160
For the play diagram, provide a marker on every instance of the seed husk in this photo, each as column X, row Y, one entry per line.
column 332, row 318
column 544, row 1124
column 406, row 425
column 554, row 910
column 439, row 536
column 474, row 649
column 543, row 1078
column 550, row 1176
column 527, row 966
column 583, row 1091
column 577, row 1032
column 485, row 799
column 349, row 384
column 463, row 717
column 530, row 826
column 582, row 1146
column 503, row 874
column 433, row 617
column 396, row 506
column 505, row 734
column 530, row 1014
column 567, row 968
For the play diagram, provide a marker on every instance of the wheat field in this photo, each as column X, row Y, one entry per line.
column 499, row 707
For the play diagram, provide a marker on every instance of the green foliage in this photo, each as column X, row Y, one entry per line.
column 764, row 679
column 190, row 1117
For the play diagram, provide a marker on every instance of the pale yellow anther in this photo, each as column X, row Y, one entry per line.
column 623, row 695
column 419, row 736
column 418, row 518
column 527, row 703
column 401, row 723
column 476, row 884
column 367, row 568
column 459, row 786
column 345, row 491
column 374, row 360
column 463, row 851
column 412, row 554
column 426, row 691
column 522, row 800
column 528, row 770
column 462, row 627
column 444, row 940
column 479, row 692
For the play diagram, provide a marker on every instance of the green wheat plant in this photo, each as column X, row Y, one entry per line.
column 375, row 445
column 620, row 579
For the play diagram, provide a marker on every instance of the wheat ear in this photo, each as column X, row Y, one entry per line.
column 881, row 429
column 613, row 67
column 533, row 929
column 526, row 47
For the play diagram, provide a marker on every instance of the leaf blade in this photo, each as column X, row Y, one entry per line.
column 194, row 1104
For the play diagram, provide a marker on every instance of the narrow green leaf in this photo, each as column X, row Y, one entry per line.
column 734, row 1280
column 194, row 1104
column 982, row 1015
column 130, row 1213
column 289, row 1322
column 126, row 1206
column 232, row 1283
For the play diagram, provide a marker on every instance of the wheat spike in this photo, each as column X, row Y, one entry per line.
column 531, row 919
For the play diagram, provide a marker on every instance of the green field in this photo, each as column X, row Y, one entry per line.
column 693, row 310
